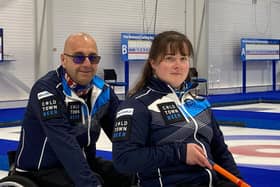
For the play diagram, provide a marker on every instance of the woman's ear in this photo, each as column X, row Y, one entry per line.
column 152, row 63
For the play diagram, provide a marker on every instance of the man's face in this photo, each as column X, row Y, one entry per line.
column 79, row 45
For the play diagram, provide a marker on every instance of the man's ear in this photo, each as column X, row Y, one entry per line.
column 63, row 60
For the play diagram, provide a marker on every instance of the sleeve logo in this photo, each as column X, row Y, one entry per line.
column 49, row 106
column 122, row 128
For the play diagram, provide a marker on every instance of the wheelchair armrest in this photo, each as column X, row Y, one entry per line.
column 11, row 159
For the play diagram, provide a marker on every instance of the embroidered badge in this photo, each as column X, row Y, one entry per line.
column 49, row 108
column 122, row 128
column 74, row 110
column 170, row 113
column 125, row 112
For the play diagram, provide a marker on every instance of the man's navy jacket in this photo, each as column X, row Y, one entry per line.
column 59, row 130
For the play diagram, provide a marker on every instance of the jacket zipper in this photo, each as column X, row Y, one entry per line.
column 179, row 103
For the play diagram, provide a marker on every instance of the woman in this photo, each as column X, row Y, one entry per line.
column 163, row 132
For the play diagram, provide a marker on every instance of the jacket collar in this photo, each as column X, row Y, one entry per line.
column 160, row 86
column 96, row 81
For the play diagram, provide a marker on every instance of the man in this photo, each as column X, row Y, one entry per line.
column 63, row 119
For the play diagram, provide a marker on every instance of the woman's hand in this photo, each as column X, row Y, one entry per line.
column 196, row 156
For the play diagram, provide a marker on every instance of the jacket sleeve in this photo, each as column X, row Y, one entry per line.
column 107, row 121
column 131, row 150
column 220, row 151
column 60, row 137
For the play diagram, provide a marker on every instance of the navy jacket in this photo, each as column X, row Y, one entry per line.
column 152, row 129
column 59, row 130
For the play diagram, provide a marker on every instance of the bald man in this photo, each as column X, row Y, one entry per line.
column 66, row 110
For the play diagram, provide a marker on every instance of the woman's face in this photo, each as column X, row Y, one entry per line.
column 172, row 68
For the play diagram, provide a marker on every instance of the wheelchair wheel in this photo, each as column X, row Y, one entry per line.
column 16, row 181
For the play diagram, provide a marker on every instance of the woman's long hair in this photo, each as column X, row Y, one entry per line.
column 168, row 41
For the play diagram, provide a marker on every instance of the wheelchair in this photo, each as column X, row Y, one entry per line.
column 14, row 180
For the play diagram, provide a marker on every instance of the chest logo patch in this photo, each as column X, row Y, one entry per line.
column 75, row 113
column 170, row 113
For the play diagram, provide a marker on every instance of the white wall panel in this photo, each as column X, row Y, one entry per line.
column 17, row 18
column 229, row 21
column 105, row 20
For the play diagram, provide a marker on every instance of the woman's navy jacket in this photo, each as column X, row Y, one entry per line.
column 152, row 129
